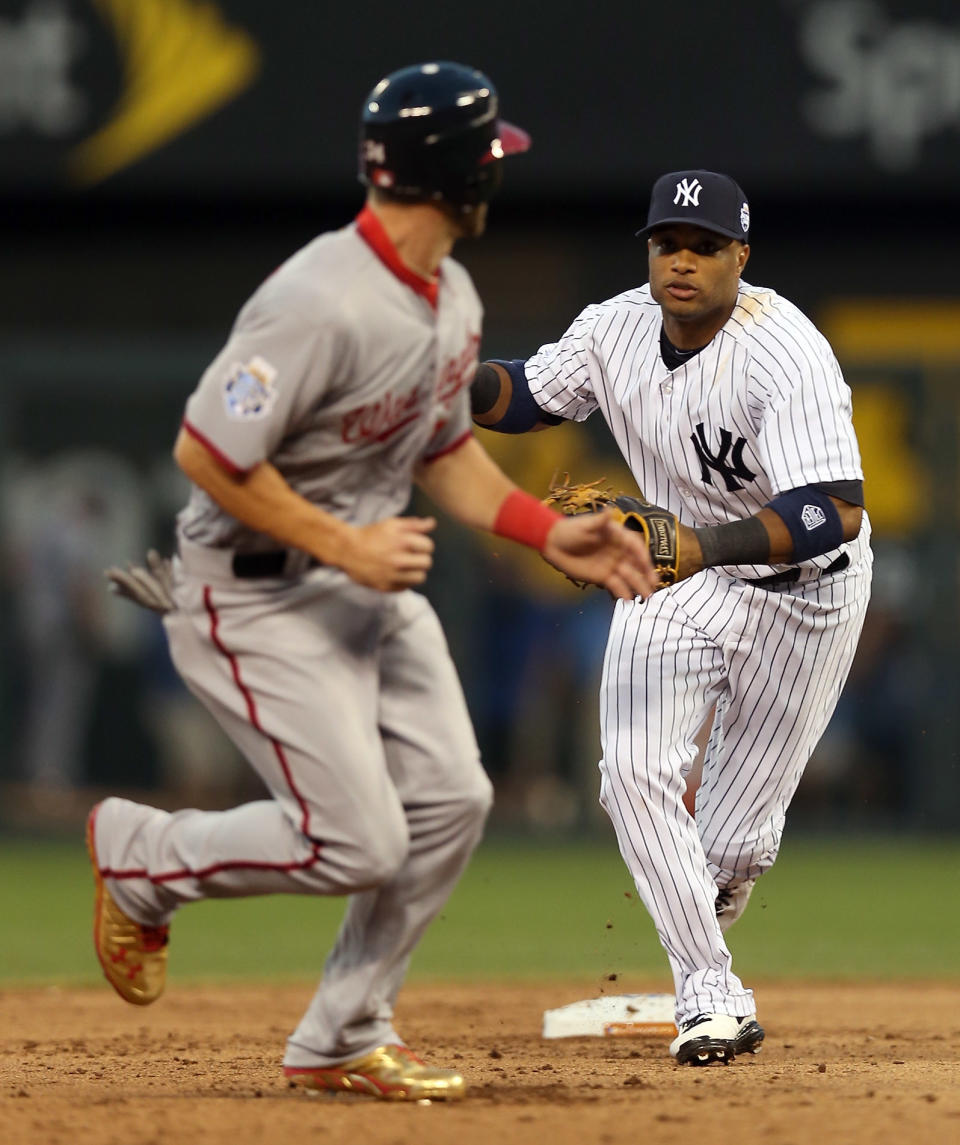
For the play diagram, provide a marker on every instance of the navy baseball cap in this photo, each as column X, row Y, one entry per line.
column 701, row 198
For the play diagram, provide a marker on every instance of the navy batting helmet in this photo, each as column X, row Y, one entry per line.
column 431, row 131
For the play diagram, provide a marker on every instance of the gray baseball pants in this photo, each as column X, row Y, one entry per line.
column 347, row 704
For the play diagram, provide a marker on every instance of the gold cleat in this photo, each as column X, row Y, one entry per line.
column 133, row 957
column 393, row 1073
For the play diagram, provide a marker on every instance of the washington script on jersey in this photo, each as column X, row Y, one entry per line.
column 458, row 371
column 380, row 420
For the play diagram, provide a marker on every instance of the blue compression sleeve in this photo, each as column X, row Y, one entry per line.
column 522, row 412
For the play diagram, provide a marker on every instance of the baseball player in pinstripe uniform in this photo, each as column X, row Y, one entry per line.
column 730, row 409
column 345, row 378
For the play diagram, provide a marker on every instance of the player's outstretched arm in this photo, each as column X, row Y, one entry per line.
column 388, row 555
column 795, row 526
column 799, row 524
column 469, row 485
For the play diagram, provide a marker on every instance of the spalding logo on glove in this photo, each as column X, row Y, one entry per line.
column 659, row 526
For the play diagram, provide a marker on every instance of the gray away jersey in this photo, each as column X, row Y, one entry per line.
column 760, row 410
column 344, row 369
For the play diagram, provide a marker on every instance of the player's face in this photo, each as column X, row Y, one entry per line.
column 694, row 276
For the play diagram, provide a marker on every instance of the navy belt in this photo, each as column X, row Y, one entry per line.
column 791, row 576
column 252, row 566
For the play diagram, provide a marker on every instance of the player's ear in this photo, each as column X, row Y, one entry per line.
column 742, row 256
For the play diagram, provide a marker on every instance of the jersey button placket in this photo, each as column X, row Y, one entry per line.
column 670, row 380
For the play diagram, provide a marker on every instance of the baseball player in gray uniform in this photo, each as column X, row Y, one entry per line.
column 345, row 379
column 731, row 411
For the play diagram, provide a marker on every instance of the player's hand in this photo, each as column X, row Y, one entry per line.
column 389, row 555
column 594, row 547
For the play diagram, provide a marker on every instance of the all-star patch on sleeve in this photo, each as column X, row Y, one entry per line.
column 249, row 390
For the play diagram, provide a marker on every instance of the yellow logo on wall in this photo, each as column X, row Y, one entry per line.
column 181, row 62
column 906, row 352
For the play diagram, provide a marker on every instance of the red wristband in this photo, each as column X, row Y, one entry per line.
column 525, row 519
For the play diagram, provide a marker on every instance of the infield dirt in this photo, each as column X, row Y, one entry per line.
column 841, row 1064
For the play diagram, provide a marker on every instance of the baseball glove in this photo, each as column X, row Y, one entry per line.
column 150, row 587
column 658, row 526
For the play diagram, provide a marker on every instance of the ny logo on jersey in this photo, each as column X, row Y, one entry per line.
column 689, row 191
column 718, row 461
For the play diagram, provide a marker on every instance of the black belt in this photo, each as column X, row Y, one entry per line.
column 252, row 566
column 791, row 576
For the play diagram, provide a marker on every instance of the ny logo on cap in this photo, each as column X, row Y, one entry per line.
column 690, row 192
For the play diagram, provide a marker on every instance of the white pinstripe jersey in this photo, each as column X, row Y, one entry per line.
column 760, row 410
column 344, row 370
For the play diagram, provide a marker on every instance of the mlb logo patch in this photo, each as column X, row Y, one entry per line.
column 249, row 391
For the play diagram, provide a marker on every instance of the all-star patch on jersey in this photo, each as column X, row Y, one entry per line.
column 250, row 390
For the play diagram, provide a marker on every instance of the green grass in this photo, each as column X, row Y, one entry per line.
column 839, row 909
